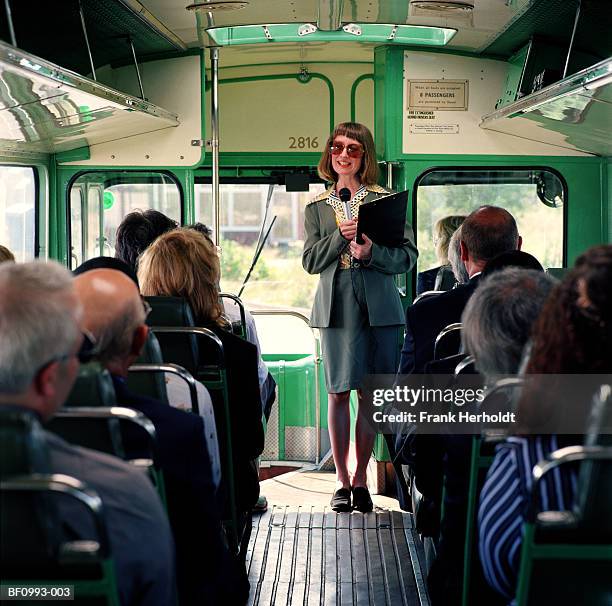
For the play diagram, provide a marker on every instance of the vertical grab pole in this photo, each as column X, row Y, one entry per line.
column 571, row 44
column 389, row 175
column 9, row 18
column 91, row 63
column 214, row 142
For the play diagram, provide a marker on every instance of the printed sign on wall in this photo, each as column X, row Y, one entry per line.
column 438, row 94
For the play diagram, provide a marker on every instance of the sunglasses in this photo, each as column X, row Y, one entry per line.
column 352, row 151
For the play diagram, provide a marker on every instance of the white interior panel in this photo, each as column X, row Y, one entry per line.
column 455, row 131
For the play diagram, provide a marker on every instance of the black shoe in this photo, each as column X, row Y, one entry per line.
column 361, row 499
column 341, row 501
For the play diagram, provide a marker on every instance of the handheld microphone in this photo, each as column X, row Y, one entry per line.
column 345, row 198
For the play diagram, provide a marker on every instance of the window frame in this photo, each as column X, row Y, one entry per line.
column 80, row 173
column 37, row 200
column 485, row 168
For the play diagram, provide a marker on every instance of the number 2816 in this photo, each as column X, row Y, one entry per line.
column 303, row 142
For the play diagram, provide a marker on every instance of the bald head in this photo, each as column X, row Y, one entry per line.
column 486, row 233
column 113, row 313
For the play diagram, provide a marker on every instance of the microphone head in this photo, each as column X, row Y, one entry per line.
column 345, row 194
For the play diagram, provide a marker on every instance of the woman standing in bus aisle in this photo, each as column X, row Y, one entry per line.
column 357, row 306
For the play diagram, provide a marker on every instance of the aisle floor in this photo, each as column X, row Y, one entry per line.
column 301, row 552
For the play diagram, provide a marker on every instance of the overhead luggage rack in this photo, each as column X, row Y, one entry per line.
column 46, row 108
column 574, row 113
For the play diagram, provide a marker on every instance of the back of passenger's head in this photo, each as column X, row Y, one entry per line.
column 39, row 326
column 498, row 319
column 107, row 263
column 488, row 232
column 574, row 332
column 113, row 312
column 202, row 229
column 6, row 254
column 137, row 231
column 454, row 258
column 443, row 231
column 184, row 263
column 512, row 258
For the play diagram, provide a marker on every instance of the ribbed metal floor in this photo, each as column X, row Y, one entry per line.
column 308, row 556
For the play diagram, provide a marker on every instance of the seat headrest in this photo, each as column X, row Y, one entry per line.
column 151, row 352
column 93, row 387
column 169, row 311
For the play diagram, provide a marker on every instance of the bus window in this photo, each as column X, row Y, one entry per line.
column 76, row 231
column 18, row 209
column 278, row 279
column 99, row 201
column 535, row 198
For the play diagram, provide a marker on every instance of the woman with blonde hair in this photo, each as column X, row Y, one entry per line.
column 442, row 276
column 184, row 263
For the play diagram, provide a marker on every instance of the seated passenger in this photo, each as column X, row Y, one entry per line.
column 573, row 335
column 267, row 384
column 176, row 388
column 40, row 332
column 136, row 232
column 440, row 277
column 113, row 312
column 496, row 322
column 183, row 263
column 485, row 233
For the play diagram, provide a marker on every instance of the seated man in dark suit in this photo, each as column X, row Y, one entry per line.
column 487, row 232
column 114, row 313
column 41, row 335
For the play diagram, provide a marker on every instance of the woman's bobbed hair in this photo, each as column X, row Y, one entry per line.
column 368, row 172
column 443, row 231
column 183, row 263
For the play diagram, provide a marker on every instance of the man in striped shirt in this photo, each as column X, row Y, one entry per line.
column 497, row 323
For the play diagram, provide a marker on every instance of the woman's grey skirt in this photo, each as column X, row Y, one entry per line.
column 351, row 347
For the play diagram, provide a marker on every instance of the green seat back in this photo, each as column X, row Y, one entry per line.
column 181, row 349
column 150, row 384
column 93, row 387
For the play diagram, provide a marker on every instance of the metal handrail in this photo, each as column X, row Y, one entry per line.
column 174, row 369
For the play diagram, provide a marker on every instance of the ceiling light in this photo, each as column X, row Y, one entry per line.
column 218, row 5
column 444, row 5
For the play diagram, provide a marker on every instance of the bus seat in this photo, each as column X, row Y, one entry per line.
column 151, row 384
column 444, row 366
column 182, row 349
column 122, row 432
column 184, row 344
column 448, row 341
column 238, row 326
column 566, row 557
column 93, row 387
column 34, row 550
column 21, row 443
column 467, row 366
column 475, row 588
column 426, row 294
column 558, row 273
column 148, row 380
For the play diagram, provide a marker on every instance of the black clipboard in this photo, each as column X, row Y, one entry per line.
column 383, row 220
